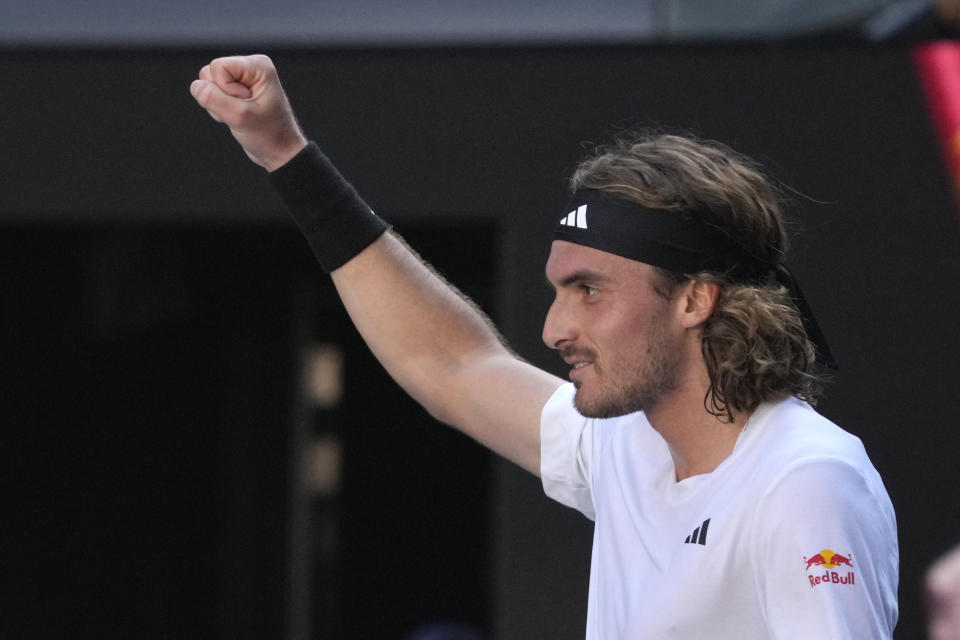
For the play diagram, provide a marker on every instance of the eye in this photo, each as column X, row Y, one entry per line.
column 590, row 291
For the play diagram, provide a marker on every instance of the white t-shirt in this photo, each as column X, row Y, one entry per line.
column 792, row 536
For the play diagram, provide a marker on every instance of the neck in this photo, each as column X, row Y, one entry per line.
column 698, row 440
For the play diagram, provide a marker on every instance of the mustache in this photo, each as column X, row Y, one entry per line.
column 577, row 352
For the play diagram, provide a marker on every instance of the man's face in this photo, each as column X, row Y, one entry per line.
column 616, row 332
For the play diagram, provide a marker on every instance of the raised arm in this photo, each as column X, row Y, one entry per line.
column 437, row 345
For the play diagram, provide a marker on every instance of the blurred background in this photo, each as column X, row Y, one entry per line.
column 194, row 442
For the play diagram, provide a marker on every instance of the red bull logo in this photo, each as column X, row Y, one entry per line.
column 830, row 560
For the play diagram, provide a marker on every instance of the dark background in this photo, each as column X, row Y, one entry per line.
column 156, row 302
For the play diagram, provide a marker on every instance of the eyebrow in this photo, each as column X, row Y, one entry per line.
column 583, row 276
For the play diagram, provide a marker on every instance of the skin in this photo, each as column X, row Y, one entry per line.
column 244, row 92
column 630, row 349
column 943, row 596
column 609, row 324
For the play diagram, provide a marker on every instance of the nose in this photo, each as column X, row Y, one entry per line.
column 557, row 328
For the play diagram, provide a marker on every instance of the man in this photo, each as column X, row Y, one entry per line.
column 725, row 506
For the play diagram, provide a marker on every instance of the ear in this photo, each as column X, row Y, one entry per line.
column 696, row 302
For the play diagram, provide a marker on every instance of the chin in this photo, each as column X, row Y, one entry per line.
column 600, row 407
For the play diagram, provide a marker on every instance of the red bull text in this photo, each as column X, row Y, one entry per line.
column 827, row 559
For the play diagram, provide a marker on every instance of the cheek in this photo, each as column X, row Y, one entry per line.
column 622, row 345
column 631, row 342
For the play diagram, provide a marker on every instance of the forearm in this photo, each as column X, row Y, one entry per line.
column 419, row 326
column 434, row 342
column 424, row 332
column 443, row 351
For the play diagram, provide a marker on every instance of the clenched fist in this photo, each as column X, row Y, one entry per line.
column 244, row 92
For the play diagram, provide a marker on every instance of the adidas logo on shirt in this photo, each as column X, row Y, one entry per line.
column 699, row 535
column 576, row 218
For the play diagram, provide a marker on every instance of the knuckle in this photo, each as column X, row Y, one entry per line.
column 265, row 65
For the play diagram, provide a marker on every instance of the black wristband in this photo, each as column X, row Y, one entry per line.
column 336, row 222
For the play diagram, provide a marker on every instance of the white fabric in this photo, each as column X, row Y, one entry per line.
column 795, row 486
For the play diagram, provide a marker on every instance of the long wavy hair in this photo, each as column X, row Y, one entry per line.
column 754, row 344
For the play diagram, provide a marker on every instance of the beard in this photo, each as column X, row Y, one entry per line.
column 640, row 388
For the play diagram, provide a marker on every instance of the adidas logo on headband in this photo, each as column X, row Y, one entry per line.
column 576, row 218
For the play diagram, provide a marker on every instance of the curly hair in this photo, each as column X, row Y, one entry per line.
column 754, row 344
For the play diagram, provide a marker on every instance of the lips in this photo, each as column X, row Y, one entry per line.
column 580, row 361
column 579, row 372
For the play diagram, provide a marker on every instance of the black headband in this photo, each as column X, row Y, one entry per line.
column 672, row 240
column 678, row 242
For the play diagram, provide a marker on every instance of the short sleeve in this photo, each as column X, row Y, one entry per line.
column 826, row 556
column 566, row 452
